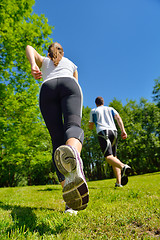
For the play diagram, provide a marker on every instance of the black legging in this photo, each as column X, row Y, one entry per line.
column 61, row 107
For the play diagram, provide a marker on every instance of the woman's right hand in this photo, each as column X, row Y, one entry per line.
column 35, row 71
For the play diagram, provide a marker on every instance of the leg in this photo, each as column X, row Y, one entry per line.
column 67, row 158
column 106, row 138
column 114, row 162
column 77, row 145
column 117, row 173
column 71, row 102
column 107, row 141
column 52, row 114
column 75, row 189
column 62, row 183
column 74, row 142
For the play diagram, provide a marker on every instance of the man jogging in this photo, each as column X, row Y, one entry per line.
column 103, row 117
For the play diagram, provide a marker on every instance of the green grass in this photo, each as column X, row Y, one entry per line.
column 131, row 212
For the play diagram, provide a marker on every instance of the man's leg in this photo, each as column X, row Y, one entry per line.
column 117, row 173
column 114, row 162
column 124, row 168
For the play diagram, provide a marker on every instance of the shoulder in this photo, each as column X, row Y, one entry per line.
column 93, row 110
column 68, row 62
column 113, row 111
column 64, row 59
column 47, row 59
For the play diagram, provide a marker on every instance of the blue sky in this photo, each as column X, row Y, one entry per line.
column 114, row 43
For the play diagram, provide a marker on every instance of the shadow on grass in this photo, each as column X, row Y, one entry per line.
column 24, row 219
column 48, row 189
column 102, row 187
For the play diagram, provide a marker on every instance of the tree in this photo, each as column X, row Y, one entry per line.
column 23, row 137
column 141, row 150
column 156, row 92
column 18, row 27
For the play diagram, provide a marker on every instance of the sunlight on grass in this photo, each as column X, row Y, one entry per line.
column 36, row 212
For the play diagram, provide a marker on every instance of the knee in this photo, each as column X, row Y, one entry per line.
column 74, row 132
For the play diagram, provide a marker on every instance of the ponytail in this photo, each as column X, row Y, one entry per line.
column 55, row 52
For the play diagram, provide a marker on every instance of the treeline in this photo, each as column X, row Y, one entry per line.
column 25, row 145
column 141, row 149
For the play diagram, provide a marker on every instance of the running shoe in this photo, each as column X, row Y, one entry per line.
column 118, row 185
column 70, row 211
column 75, row 190
column 124, row 174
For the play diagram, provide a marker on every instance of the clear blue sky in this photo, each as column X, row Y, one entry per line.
column 114, row 43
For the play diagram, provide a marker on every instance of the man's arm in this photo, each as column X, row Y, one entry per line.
column 91, row 125
column 121, row 126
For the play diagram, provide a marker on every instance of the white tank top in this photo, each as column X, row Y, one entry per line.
column 65, row 68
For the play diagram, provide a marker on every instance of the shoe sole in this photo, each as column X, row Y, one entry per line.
column 124, row 178
column 65, row 160
column 75, row 190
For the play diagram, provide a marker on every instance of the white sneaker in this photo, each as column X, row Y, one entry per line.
column 118, row 185
column 75, row 190
column 126, row 170
column 70, row 211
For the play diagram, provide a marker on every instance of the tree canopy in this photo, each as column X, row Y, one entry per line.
column 23, row 135
column 156, row 92
column 25, row 145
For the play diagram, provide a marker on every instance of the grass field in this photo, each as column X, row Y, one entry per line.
column 36, row 212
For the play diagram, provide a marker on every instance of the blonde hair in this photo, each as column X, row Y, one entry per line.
column 55, row 52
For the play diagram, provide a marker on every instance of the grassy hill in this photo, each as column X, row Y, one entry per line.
column 36, row 212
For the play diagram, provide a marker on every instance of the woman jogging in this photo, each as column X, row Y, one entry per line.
column 60, row 103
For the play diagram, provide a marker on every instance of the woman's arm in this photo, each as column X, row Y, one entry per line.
column 35, row 60
column 75, row 74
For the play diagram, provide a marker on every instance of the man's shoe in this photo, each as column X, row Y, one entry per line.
column 75, row 190
column 124, row 180
column 124, row 174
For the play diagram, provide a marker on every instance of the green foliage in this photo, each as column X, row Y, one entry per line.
column 25, row 145
column 24, row 141
column 156, row 92
column 18, row 27
column 22, row 137
column 36, row 212
column 141, row 150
